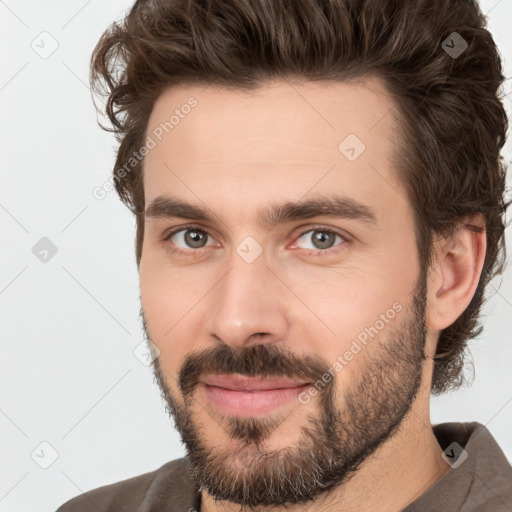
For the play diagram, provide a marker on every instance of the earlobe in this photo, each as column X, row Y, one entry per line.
column 455, row 276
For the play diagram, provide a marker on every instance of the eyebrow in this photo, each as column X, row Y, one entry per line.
column 335, row 206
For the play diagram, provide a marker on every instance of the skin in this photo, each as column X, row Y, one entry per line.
column 239, row 152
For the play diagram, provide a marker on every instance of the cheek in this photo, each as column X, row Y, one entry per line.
column 340, row 302
column 349, row 316
column 162, row 291
column 162, row 309
column 154, row 297
column 170, row 311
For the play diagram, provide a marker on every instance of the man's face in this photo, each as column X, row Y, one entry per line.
column 335, row 304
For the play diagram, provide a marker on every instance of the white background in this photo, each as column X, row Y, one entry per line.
column 68, row 375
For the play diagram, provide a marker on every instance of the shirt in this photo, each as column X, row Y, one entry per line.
column 479, row 480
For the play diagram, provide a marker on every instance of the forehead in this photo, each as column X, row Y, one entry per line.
column 315, row 115
column 282, row 140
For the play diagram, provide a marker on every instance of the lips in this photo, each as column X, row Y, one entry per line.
column 242, row 383
column 238, row 395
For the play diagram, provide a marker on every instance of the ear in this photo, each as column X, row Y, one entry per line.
column 455, row 273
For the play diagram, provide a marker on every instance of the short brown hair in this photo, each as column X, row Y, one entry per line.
column 452, row 119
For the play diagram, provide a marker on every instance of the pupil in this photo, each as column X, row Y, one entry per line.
column 321, row 238
column 194, row 238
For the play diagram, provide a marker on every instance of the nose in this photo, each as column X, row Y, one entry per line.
column 248, row 305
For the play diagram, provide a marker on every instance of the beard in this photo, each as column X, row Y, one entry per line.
column 334, row 441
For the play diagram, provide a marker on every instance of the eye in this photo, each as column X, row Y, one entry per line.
column 194, row 240
column 193, row 236
column 322, row 239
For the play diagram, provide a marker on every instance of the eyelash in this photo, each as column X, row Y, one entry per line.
column 198, row 252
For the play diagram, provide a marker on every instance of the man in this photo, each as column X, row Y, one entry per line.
column 318, row 190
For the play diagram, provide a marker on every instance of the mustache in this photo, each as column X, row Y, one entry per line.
column 263, row 360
